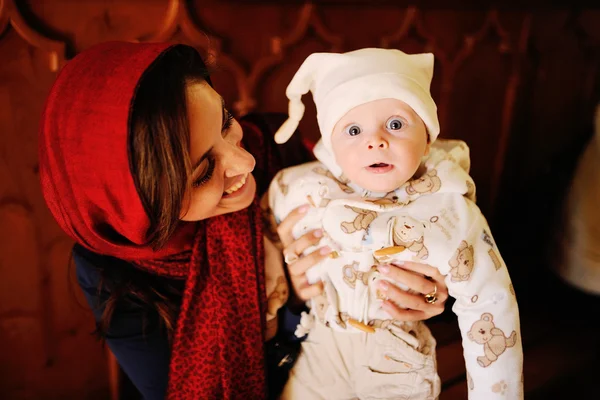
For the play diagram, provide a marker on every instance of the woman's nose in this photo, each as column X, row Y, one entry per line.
column 239, row 162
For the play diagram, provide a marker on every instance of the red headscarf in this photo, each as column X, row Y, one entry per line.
column 218, row 349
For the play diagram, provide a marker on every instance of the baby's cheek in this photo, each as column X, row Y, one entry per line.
column 345, row 158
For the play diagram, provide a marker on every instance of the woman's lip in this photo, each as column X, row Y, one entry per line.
column 380, row 169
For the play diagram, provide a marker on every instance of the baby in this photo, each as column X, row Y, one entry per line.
column 384, row 190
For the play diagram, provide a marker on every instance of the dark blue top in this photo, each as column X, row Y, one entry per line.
column 140, row 343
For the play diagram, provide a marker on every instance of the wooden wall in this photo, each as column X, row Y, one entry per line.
column 518, row 84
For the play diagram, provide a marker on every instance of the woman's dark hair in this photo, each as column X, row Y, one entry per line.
column 159, row 162
column 159, row 138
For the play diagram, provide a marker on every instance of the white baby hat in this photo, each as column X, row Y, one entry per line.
column 341, row 81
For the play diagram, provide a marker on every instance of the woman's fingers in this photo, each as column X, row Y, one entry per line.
column 410, row 305
column 297, row 263
column 302, row 289
column 297, row 247
column 400, row 314
column 414, row 281
column 284, row 230
column 402, row 297
column 304, row 263
column 412, row 274
column 309, row 291
column 423, row 269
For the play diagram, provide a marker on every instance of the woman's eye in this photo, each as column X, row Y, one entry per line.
column 394, row 124
column 205, row 176
column 227, row 120
column 353, row 130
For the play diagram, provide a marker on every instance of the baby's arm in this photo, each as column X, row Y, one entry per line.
column 487, row 312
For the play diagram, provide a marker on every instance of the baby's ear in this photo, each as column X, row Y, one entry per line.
column 428, row 146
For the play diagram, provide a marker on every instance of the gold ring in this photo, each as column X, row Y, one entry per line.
column 290, row 258
column 431, row 298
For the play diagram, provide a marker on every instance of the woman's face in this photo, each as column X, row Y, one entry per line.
column 221, row 179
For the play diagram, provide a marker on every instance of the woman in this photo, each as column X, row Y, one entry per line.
column 144, row 167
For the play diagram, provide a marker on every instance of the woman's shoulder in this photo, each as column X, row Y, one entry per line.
column 93, row 269
column 89, row 264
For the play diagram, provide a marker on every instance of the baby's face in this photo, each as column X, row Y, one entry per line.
column 379, row 145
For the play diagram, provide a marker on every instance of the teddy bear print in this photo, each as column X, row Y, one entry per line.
column 283, row 187
column 462, row 263
column 499, row 387
column 323, row 200
column 343, row 185
column 279, row 296
column 470, row 382
column 427, row 183
column 320, row 304
column 409, row 233
column 364, row 217
column 270, row 222
column 384, row 323
column 485, row 332
column 351, row 275
column 275, row 301
column 495, row 259
column 470, row 191
column 361, row 222
column 487, row 238
column 270, row 225
column 341, row 319
column 384, row 202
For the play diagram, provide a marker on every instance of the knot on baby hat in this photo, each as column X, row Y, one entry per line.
column 341, row 81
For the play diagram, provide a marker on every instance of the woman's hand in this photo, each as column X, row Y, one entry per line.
column 297, row 264
column 423, row 279
column 410, row 274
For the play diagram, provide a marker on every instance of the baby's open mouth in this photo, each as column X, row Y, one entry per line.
column 380, row 168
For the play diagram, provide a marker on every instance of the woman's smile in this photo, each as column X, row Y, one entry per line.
column 236, row 186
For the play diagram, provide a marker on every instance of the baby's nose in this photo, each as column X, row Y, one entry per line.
column 377, row 142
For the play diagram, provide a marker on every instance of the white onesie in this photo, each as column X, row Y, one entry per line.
column 431, row 219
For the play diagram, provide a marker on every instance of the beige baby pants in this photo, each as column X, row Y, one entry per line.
column 387, row 364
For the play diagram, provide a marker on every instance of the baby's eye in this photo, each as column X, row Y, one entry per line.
column 395, row 124
column 353, row 130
